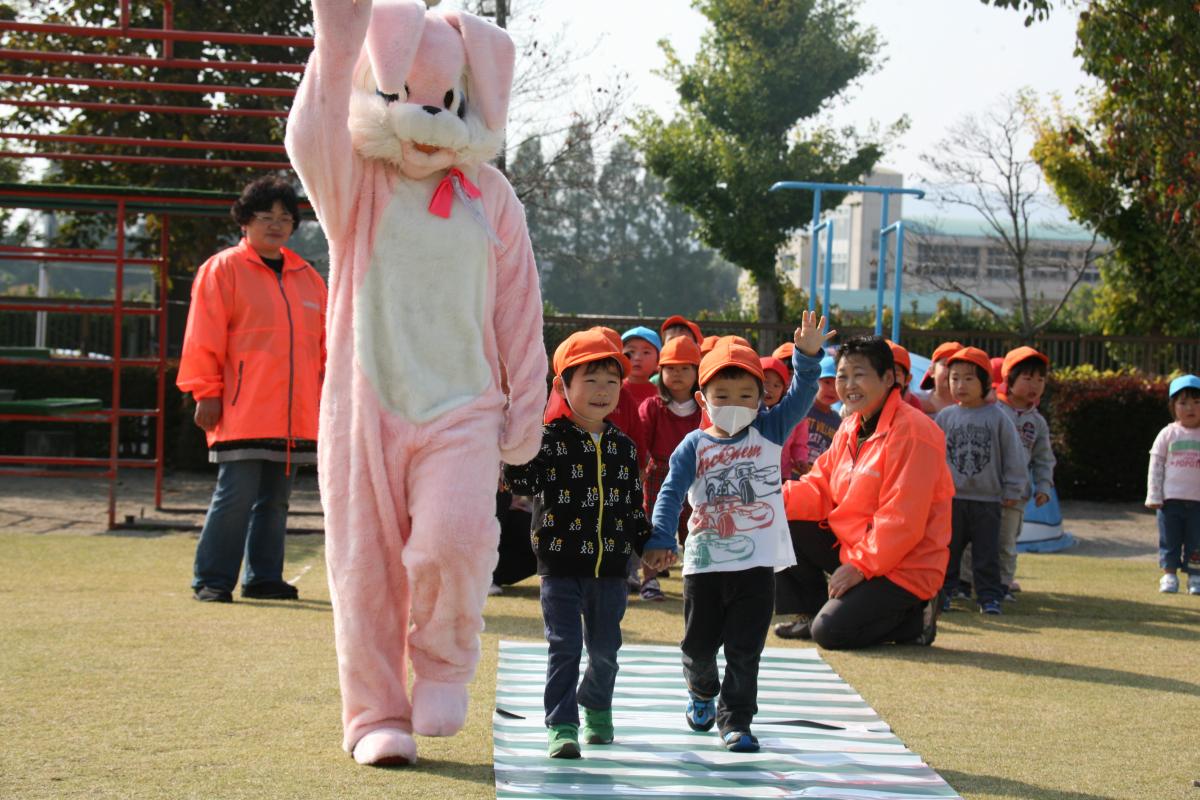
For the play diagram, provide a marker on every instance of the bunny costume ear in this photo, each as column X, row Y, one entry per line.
column 392, row 40
column 490, row 58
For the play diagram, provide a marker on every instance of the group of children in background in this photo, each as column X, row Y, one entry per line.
column 643, row 451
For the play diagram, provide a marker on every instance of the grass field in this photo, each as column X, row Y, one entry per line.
column 114, row 683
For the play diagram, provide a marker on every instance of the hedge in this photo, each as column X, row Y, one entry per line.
column 1101, row 427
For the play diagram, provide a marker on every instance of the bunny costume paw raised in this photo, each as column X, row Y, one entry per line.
column 432, row 288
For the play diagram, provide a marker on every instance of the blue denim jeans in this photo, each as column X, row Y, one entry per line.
column 579, row 612
column 1179, row 536
column 247, row 516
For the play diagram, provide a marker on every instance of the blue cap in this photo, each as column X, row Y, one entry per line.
column 1183, row 382
column 828, row 367
column 642, row 332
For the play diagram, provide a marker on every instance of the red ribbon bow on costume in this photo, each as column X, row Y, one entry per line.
column 443, row 195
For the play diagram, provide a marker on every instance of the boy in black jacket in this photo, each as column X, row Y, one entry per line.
column 587, row 522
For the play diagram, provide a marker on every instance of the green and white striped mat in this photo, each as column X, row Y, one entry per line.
column 819, row 737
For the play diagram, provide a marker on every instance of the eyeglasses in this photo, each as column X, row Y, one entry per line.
column 267, row 219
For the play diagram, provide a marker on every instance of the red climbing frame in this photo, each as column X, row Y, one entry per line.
column 124, row 202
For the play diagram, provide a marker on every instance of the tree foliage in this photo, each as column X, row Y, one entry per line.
column 1129, row 166
column 607, row 242
column 1036, row 10
column 765, row 70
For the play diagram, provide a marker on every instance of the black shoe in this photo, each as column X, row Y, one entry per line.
column 933, row 609
column 797, row 629
column 207, row 594
column 271, row 590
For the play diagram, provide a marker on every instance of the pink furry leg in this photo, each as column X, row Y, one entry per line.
column 450, row 558
column 386, row 747
column 365, row 522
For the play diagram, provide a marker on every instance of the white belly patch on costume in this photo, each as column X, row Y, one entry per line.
column 419, row 313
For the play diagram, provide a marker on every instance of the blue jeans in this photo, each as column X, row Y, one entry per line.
column 1179, row 536
column 248, row 515
column 579, row 611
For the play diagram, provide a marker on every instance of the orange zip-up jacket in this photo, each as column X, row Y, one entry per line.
column 256, row 339
column 888, row 504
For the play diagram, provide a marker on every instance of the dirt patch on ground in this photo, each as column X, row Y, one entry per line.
column 45, row 505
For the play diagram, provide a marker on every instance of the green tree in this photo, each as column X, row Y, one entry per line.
column 1035, row 9
column 192, row 238
column 1129, row 165
column 763, row 68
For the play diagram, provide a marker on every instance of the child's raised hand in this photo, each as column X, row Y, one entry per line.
column 808, row 338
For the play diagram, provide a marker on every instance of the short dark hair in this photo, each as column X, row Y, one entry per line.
column 733, row 373
column 679, row 326
column 874, row 349
column 985, row 376
column 606, row 364
column 663, row 391
column 260, row 195
column 1188, row 392
column 1032, row 365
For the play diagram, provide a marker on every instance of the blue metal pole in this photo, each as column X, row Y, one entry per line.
column 899, row 276
column 815, row 229
column 881, row 270
column 828, row 272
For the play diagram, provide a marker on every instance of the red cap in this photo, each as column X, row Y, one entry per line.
column 973, row 355
column 900, row 356
column 943, row 350
column 584, row 346
column 778, row 367
column 726, row 353
column 707, row 345
column 997, row 375
column 1015, row 357
column 687, row 323
column 738, row 340
column 680, row 350
column 784, row 352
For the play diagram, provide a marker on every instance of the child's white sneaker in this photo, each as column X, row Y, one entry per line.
column 1169, row 584
column 1193, row 584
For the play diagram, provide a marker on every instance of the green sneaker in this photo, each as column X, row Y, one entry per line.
column 597, row 726
column 564, row 741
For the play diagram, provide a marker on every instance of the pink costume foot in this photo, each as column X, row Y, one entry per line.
column 438, row 709
column 386, row 747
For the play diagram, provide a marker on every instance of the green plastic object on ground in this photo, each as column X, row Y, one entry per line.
column 49, row 406
column 25, row 352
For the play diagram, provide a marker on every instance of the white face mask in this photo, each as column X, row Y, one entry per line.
column 731, row 419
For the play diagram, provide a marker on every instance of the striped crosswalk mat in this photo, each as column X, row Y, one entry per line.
column 819, row 738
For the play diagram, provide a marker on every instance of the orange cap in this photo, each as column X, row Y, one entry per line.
column 784, row 352
column 943, row 350
column 680, row 350
column 1015, row 357
column 611, row 334
column 727, row 353
column 707, row 345
column 778, row 367
column 997, row 375
column 900, row 356
column 973, row 355
column 687, row 323
column 584, row 346
column 737, row 340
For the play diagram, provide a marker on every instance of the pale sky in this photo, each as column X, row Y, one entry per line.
column 944, row 59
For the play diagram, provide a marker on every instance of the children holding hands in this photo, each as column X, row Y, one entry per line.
column 737, row 532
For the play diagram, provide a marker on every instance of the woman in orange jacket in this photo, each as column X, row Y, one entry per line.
column 253, row 359
column 882, row 492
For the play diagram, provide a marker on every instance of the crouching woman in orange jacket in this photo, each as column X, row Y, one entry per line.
column 253, row 359
column 882, row 492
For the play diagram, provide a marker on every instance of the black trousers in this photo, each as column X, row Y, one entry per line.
column 976, row 522
column 803, row 589
column 517, row 560
column 731, row 609
column 875, row 611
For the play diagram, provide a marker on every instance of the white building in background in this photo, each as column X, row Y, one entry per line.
column 936, row 252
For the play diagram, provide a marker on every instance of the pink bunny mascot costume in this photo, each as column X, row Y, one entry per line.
column 432, row 288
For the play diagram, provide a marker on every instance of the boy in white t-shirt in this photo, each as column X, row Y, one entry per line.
column 737, row 533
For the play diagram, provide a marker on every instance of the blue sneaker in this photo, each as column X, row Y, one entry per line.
column 740, row 742
column 991, row 607
column 701, row 714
